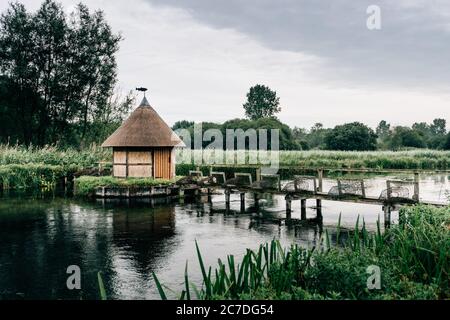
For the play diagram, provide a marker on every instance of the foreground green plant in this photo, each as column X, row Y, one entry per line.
column 413, row 258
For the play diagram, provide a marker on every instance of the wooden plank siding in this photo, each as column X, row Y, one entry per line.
column 162, row 158
column 132, row 163
column 144, row 163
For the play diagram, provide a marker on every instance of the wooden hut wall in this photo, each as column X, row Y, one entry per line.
column 120, row 163
column 132, row 163
column 139, row 164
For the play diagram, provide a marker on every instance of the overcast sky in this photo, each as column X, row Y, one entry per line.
column 199, row 57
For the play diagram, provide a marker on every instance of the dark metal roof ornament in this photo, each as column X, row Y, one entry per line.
column 144, row 101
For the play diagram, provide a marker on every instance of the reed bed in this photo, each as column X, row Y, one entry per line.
column 414, row 259
column 51, row 155
column 413, row 159
column 33, row 167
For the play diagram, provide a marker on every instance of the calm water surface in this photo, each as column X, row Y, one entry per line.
column 41, row 236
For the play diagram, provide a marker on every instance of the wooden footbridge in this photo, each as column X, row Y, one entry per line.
column 304, row 187
column 300, row 187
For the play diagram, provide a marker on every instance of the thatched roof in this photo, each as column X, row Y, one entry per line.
column 144, row 128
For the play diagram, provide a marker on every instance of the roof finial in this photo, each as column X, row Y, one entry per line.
column 142, row 90
column 144, row 100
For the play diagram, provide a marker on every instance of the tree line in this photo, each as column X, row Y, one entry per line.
column 263, row 104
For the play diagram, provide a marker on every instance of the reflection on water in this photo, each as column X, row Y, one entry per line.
column 127, row 240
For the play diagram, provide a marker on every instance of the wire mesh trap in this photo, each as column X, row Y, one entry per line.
column 301, row 184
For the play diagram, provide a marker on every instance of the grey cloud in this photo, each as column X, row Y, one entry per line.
column 411, row 50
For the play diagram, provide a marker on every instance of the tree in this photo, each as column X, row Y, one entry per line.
column 351, row 136
column 407, row 137
column 60, row 71
column 446, row 145
column 383, row 129
column 262, row 102
column 439, row 127
column 383, row 132
column 183, row 124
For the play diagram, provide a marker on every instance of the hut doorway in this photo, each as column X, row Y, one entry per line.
column 162, row 158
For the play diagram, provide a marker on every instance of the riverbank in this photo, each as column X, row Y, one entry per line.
column 86, row 186
column 409, row 261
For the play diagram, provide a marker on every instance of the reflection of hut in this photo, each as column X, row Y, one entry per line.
column 144, row 146
column 140, row 222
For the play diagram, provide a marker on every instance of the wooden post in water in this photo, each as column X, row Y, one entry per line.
column 242, row 202
column 319, row 189
column 227, row 199
column 320, row 178
column 288, row 207
column 363, row 189
column 303, row 209
column 258, row 174
column 319, row 212
column 387, row 215
column 339, row 187
column 256, row 199
column 388, row 190
column 416, row 186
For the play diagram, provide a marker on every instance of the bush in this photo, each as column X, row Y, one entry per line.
column 351, row 136
column 20, row 176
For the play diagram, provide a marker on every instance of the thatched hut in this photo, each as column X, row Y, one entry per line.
column 144, row 146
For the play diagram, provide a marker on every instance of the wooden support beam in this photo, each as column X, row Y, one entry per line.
column 258, row 174
column 288, row 207
column 388, row 190
column 320, row 179
column 256, row 199
column 242, row 202
column 303, row 209
column 227, row 199
column 319, row 209
column 363, row 189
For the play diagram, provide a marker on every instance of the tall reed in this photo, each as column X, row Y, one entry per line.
column 414, row 258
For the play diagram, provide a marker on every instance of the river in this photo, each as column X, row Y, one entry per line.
column 42, row 235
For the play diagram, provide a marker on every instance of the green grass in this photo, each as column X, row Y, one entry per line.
column 86, row 185
column 414, row 259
